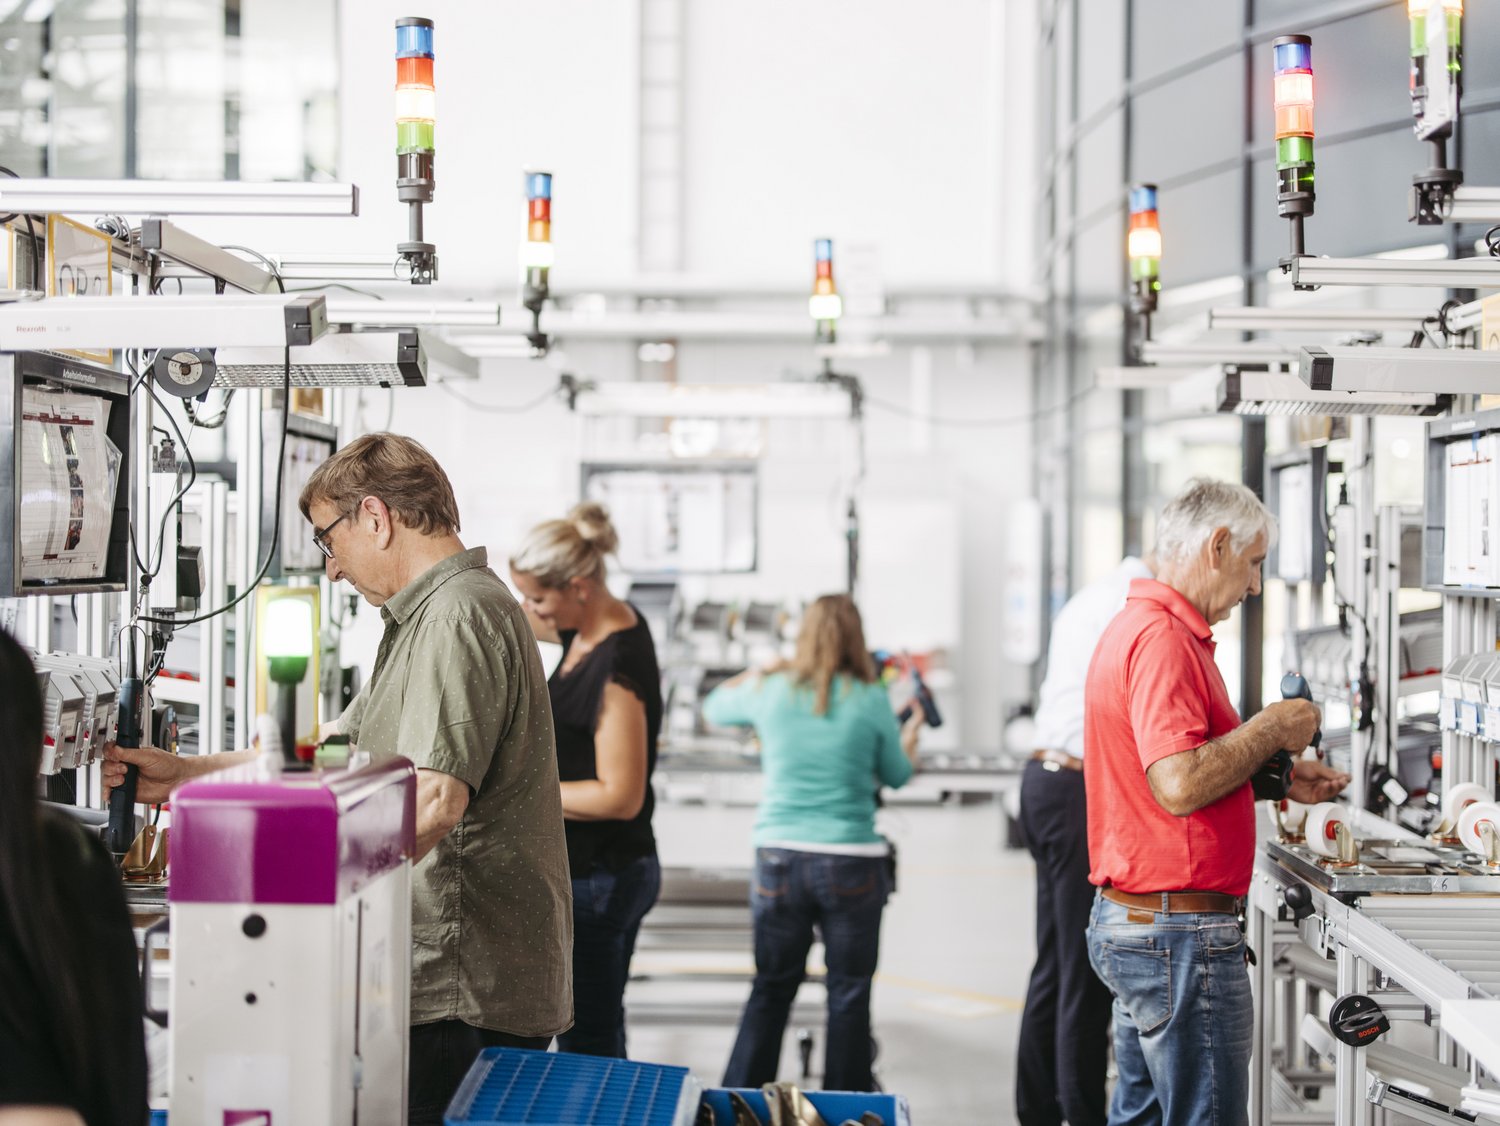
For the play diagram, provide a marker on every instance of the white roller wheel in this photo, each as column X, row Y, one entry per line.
column 1319, row 830
column 1459, row 796
column 1474, row 815
column 1293, row 815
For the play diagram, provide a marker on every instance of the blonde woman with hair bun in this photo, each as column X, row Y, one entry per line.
column 607, row 710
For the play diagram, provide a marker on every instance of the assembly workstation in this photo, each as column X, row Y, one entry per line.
column 495, row 672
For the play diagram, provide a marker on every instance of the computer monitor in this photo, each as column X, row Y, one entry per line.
column 680, row 518
column 309, row 443
column 1297, row 494
column 65, row 427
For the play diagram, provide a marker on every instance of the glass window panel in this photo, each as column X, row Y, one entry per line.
column 239, row 89
column 1191, row 122
column 1101, row 54
column 1169, row 33
column 1101, row 163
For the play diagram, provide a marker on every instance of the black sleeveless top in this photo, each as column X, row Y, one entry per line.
column 628, row 658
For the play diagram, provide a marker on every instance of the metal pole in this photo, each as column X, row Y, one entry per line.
column 1253, row 612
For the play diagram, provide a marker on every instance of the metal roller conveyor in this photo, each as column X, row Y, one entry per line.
column 1407, row 867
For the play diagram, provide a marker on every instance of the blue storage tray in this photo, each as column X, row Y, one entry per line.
column 510, row 1086
column 833, row 1106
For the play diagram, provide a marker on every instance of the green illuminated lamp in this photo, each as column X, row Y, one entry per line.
column 287, row 642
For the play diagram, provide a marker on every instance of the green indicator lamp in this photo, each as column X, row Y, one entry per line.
column 287, row 642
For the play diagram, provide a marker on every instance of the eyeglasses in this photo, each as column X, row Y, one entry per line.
column 320, row 534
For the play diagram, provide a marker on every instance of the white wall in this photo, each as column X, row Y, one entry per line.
column 874, row 122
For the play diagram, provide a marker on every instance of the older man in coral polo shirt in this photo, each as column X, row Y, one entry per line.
column 1171, row 815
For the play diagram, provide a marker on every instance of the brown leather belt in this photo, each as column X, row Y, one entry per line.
column 1054, row 760
column 1177, row 902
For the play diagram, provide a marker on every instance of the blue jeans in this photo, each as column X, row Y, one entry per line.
column 792, row 893
column 607, row 911
column 1183, row 1016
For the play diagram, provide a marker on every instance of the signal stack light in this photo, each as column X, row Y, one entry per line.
column 536, row 252
column 825, row 305
column 1436, row 82
column 416, row 114
column 1294, row 134
column 1143, row 248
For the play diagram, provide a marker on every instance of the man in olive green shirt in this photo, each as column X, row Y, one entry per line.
column 458, row 689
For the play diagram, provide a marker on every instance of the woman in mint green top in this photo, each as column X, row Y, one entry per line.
column 829, row 740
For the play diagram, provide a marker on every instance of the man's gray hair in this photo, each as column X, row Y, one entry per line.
column 1204, row 505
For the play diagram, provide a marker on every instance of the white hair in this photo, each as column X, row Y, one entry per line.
column 1205, row 505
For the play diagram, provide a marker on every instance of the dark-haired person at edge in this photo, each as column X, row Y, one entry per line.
column 607, row 708
column 458, row 689
column 72, row 1043
column 828, row 741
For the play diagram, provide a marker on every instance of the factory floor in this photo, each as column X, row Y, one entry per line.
column 956, row 949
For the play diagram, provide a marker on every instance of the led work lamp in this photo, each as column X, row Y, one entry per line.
column 536, row 251
column 825, row 305
column 287, row 643
column 1294, row 133
column 416, row 115
column 1436, row 78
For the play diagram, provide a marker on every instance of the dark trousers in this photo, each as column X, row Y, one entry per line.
column 607, row 911
column 792, row 893
column 1065, row 1028
column 441, row 1053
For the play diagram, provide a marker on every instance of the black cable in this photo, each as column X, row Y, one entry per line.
column 336, row 285
column 275, row 273
column 496, row 408
column 217, row 420
column 981, row 423
column 149, row 573
column 176, row 501
column 276, row 526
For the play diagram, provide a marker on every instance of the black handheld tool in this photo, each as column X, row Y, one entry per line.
column 1294, row 687
column 122, row 799
column 923, row 699
column 1273, row 780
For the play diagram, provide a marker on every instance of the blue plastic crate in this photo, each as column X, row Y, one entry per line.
column 510, row 1086
column 832, row 1106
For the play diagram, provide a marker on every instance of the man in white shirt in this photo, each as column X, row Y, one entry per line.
column 1065, row 1028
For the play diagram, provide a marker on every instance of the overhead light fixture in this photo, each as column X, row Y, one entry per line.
column 388, row 358
column 1240, row 353
column 1253, row 318
column 825, row 305
column 1462, row 371
column 682, row 400
column 1436, row 71
column 1279, row 392
column 375, row 312
column 416, row 122
column 164, row 197
column 1293, row 86
column 196, row 321
column 537, row 253
column 1447, row 273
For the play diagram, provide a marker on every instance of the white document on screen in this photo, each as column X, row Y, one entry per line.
column 69, row 469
